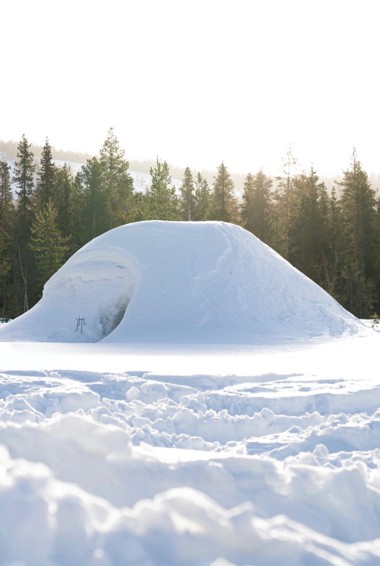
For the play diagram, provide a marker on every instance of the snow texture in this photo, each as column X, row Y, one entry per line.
column 180, row 282
column 114, row 453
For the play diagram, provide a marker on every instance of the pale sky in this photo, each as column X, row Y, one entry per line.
column 196, row 82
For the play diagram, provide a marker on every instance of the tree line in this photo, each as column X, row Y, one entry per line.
column 47, row 213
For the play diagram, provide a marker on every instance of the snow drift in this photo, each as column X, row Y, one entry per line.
column 190, row 282
column 278, row 466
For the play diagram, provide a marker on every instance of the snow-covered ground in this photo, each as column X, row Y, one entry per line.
column 248, row 451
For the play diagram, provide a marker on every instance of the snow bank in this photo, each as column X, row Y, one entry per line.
column 279, row 464
column 184, row 282
column 180, row 526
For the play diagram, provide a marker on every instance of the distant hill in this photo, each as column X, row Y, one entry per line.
column 140, row 170
column 9, row 151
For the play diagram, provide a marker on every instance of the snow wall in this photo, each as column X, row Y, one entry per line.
column 189, row 282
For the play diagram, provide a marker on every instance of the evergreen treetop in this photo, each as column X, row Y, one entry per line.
column 224, row 204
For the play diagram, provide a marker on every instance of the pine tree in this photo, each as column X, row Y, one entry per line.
column 256, row 205
column 117, row 182
column 358, row 205
column 162, row 201
column 224, row 204
column 48, row 244
column 187, row 196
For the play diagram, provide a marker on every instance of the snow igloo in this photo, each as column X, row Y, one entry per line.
column 190, row 282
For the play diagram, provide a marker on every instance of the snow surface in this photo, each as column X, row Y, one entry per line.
column 117, row 453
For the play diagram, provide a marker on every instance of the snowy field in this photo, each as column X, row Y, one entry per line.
column 118, row 453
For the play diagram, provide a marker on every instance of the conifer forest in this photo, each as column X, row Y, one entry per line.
column 47, row 213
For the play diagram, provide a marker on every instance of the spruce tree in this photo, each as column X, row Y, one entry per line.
column 46, row 177
column 202, row 199
column 117, row 183
column 48, row 245
column 76, row 206
column 97, row 208
column 6, row 238
column 256, row 205
column 358, row 206
column 377, row 260
column 162, row 202
column 139, row 207
column 283, row 205
column 23, row 179
column 64, row 199
column 6, row 198
column 331, row 269
column 308, row 230
column 224, row 204
column 187, row 196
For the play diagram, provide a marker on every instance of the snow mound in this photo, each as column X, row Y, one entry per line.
column 194, row 282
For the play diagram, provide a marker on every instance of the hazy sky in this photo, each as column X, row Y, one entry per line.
column 196, row 82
